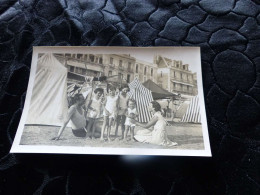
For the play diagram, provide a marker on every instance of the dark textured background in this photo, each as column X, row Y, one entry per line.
column 228, row 32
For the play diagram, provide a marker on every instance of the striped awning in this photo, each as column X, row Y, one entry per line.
column 193, row 112
column 143, row 97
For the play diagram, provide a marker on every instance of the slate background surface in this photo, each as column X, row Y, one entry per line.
column 228, row 32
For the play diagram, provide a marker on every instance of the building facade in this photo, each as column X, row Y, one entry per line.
column 145, row 70
column 117, row 68
column 171, row 75
column 175, row 76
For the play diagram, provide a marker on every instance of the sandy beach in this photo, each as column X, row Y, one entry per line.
column 187, row 135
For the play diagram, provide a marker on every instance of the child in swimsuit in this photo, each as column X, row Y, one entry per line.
column 110, row 112
column 93, row 111
column 122, row 108
column 131, row 114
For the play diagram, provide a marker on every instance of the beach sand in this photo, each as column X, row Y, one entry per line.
column 187, row 135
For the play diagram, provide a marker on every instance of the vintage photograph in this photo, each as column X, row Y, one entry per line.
column 114, row 100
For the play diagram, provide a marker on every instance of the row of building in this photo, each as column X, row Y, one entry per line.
column 170, row 74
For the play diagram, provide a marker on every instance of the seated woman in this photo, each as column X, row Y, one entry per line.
column 76, row 115
column 158, row 135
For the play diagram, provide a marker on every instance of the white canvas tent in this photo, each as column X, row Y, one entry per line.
column 49, row 104
column 143, row 97
column 193, row 112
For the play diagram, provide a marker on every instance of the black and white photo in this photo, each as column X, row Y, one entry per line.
column 114, row 100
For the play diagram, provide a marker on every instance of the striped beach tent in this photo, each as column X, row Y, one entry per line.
column 193, row 112
column 73, row 89
column 143, row 97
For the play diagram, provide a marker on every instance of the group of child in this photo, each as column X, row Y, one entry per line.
column 118, row 110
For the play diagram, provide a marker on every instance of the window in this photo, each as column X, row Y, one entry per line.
column 84, row 71
column 120, row 76
column 128, row 78
column 129, row 65
column 181, row 75
column 136, row 68
column 79, row 56
column 86, row 57
column 92, row 58
column 100, row 60
column 109, row 73
column 151, row 72
column 67, row 55
column 183, row 67
column 111, row 60
column 144, row 70
column 174, row 85
column 120, row 63
column 71, row 68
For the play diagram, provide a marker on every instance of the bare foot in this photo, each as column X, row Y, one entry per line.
column 173, row 144
column 117, row 139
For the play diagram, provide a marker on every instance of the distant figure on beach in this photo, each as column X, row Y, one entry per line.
column 158, row 135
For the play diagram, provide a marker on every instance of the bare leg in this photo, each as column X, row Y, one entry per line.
column 89, row 127
column 132, row 133
column 126, row 132
column 93, row 129
column 123, row 125
column 117, row 125
column 110, row 123
column 103, row 127
column 96, row 134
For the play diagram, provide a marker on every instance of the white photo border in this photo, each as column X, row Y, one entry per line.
column 17, row 148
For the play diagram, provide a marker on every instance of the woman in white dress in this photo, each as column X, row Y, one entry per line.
column 158, row 135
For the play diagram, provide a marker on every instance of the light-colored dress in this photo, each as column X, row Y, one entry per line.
column 96, row 104
column 111, row 106
column 128, row 120
column 158, row 136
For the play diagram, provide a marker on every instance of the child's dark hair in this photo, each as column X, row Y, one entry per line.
column 111, row 87
column 73, row 100
column 99, row 90
column 124, row 86
column 156, row 106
